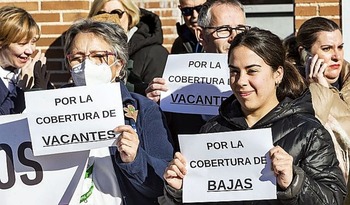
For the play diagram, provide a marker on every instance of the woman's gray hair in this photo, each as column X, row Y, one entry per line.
column 204, row 17
column 112, row 33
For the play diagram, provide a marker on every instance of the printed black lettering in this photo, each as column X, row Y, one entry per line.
column 47, row 142
column 11, row 179
column 217, row 145
column 230, row 185
column 65, row 141
column 65, row 100
column 211, row 185
column 239, row 184
column 111, row 134
column 30, row 163
column 237, row 145
column 108, row 113
column 197, row 99
column 248, row 183
column 174, row 99
column 213, row 65
column 85, row 100
column 55, row 140
column 75, row 138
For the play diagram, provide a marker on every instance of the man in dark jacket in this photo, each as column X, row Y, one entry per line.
column 187, row 42
column 146, row 51
column 227, row 20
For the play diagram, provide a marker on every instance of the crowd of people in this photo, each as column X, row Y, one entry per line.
column 297, row 87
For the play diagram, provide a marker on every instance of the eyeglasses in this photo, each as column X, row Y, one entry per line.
column 226, row 30
column 115, row 11
column 188, row 11
column 98, row 57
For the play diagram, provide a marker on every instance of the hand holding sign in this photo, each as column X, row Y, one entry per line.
column 282, row 165
column 89, row 113
column 176, row 171
column 127, row 143
column 226, row 166
column 155, row 87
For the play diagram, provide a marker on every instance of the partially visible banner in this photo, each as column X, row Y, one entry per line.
column 228, row 166
column 197, row 82
column 74, row 119
column 30, row 180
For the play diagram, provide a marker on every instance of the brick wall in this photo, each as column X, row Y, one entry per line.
column 55, row 16
column 305, row 9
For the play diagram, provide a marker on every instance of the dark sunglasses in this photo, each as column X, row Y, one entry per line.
column 188, row 11
column 115, row 11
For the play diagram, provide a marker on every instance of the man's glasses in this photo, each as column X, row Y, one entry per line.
column 188, row 11
column 115, row 11
column 98, row 57
column 226, row 30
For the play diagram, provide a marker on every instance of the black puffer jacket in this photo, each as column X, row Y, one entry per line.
column 317, row 178
column 146, row 50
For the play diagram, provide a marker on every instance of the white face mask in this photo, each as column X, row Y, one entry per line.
column 88, row 73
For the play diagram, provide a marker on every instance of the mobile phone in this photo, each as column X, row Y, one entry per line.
column 306, row 57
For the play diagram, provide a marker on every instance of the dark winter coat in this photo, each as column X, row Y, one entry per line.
column 11, row 102
column 146, row 51
column 317, row 176
column 186, row 42
column 180, row 123
column 141, row 181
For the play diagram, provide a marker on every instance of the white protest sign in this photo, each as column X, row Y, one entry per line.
column 30, row 180
column 228, row 166
column 197, row 82
column 74, row 119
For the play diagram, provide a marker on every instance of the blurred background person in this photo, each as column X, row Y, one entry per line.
column 187, row 41
column 145, row 39
column 19, row 71
column 131, row 172
column 265, row 87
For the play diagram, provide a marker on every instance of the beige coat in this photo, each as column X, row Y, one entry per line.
column 332, row 107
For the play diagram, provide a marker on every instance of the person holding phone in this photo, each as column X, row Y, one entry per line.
column 320, row 59
column 268, row 91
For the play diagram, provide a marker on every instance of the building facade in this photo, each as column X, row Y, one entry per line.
column 55, row 16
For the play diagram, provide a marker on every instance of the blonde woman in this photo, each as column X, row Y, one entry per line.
column 18, row 70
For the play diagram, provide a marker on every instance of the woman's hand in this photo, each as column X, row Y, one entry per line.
column 317, row 70
column 26, row 80
column 127, row 143
column 176, row 171
column 282, row 166
column 154, row 89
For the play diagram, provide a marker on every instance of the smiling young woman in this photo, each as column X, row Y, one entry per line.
column 269, row 92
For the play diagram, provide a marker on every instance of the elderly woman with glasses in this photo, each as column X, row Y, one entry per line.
column 131, row 172
column 145, row 39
